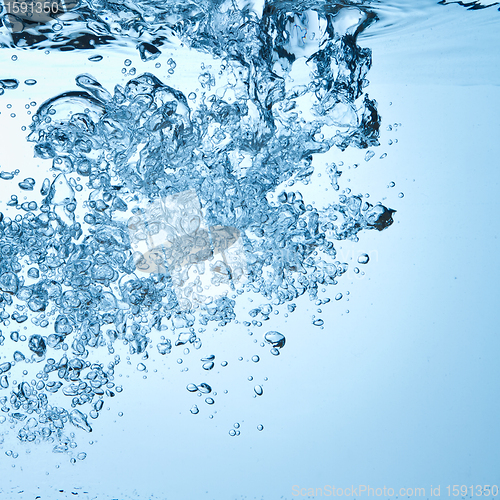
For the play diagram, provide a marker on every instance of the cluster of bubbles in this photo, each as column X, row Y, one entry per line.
column 83, row 284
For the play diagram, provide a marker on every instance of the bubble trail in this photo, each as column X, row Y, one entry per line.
column 174, row 185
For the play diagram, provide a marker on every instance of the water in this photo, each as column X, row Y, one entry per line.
column 183, row 172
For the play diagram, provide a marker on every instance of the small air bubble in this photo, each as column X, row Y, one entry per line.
column 363, row 258
column 258, row 390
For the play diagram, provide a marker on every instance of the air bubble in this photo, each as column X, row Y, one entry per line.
column 363, row 258
column 204, row 388
column 276, row 339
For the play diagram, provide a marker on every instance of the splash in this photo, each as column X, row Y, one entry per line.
column 183, row 208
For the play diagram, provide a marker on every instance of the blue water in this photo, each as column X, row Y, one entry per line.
column 202, row 202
